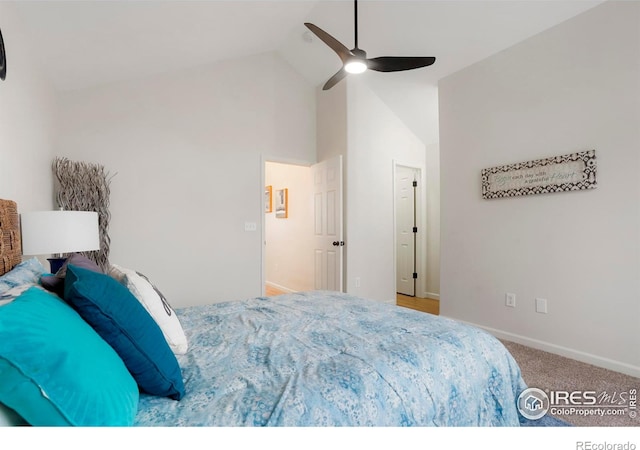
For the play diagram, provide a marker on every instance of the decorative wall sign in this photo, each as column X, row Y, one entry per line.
column 572, row 172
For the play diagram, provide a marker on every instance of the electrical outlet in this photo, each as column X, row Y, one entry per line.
column 510, row 300
column 541, row 305
column 357, row 282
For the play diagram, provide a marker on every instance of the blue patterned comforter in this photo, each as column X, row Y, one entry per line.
column 331, row 359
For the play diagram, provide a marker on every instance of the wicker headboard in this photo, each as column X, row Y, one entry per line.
column 10, row 244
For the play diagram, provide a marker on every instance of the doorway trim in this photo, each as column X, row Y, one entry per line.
column 421, row 224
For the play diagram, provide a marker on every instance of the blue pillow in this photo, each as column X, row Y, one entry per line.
column 123, row 322
column 56, row 370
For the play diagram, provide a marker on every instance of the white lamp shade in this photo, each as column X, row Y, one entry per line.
column 49, row 232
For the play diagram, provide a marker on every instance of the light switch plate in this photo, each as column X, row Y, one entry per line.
column 541, row 305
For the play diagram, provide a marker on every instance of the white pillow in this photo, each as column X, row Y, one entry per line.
column 156, row 305
column 117, row 272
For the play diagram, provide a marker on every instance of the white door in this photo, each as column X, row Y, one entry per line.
column 327, row 207
column 405, row 202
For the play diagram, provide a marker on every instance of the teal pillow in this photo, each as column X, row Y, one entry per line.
column 56, row 370
column 117, row 316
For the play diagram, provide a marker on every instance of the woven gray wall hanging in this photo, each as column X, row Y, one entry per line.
column 84, row 186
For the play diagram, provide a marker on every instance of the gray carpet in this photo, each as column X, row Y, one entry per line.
column 551, row 372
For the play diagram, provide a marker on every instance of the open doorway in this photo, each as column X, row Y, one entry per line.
column 407, row 217
column 288, row 242
column 303, row 248
column 411, row 240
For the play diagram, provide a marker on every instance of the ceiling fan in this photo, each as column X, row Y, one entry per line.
column 355, row 60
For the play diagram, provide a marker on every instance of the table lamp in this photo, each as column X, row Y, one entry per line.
column 58, row 232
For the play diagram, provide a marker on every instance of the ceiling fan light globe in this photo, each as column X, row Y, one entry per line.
column 356, row 66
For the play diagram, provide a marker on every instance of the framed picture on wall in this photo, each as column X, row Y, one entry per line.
column 282, row 200
column 268, row 200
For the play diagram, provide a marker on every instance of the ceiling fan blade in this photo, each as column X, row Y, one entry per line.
column 340, row 74
column 3, row 59
column 398, row 63
column 343, row 52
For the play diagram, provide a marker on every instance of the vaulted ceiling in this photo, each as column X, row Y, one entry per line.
column 87, row 43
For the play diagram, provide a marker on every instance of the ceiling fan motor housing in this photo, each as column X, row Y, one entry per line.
column 358, row 63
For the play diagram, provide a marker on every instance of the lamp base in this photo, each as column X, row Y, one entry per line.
column 56, row 264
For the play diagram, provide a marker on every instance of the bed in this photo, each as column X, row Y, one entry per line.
column 296, row 360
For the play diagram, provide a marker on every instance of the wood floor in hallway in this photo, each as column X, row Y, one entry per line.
column 271, row 291
column 427, row 305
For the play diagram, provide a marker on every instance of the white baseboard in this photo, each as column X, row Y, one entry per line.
column 578, row 355
column 281, row 288
column 431, row 295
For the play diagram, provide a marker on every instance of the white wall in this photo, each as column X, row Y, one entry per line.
column 27, row 108
column 432, row 205
column 289, row 242
column 331, row 122
column 574, row 87
column 187, row 152
column 376, row 138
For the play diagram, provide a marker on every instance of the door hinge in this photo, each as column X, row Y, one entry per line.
column 415, row 229
column 415, row 183
column 415, row 275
